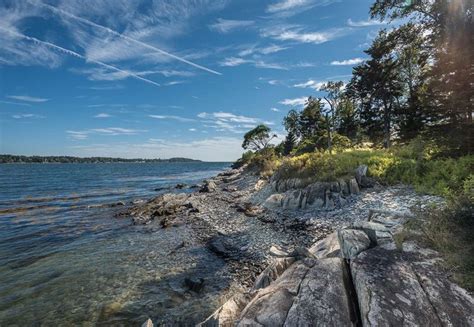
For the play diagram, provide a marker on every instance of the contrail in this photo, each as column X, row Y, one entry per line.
column 111, row 31
column 77, row 55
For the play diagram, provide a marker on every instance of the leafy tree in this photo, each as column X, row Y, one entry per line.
column 377, row 83
column 311, row 122
column 289, row 143
column 258, row 138
column 333, row 97
column 292, row 123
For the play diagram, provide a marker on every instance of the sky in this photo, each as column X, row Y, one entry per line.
column 166, row 78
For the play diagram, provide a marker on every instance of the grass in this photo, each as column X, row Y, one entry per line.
column 443, row 176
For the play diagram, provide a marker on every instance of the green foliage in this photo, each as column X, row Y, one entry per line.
column 257, row 138
column 441, row 176
column 450, row 230
column 265, row 162
column 244, row 160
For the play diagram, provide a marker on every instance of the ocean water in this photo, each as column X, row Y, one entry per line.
column 66, row 260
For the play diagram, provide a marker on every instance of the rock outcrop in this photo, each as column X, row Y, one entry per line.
column 355, row 276
column 293, row 194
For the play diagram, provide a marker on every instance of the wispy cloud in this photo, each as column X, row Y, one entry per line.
column 27, row 116
column 236, row 61
column 312, row 84
column 27, row 98
column 254, row 49
column 275, row 109
column 192, row 130
column 347, row 62
column 171, row 117
column 67, row 14
column 171, row 83
column 178, row 73
column 365, row 23
column 109, row 131
column 77, row 55
column 16, row 103
column 229, row 122
column 294, row 6
column 228, row 25
column 102, row 115
column 299, row 34
column 294, row 102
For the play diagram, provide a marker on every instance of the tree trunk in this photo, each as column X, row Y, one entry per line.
column 329, row 134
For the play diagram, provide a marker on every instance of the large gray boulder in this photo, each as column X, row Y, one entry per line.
column 453, row 305
column 270, row 305
column 272, row 272
column 352, row 242
column 321, row 298
column 326, row 248
column 389, row 292
column 228, row 313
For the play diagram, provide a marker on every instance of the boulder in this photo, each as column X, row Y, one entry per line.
column 208, row 187
column 353, row 186
column 360, row 172
column 250, row 210
column 225, row 247
column 377, row 233
column 389, row 218
column 194, row 284
column 453, row 305
column 274, row 201
column 228, row 313
column 389, row 292
column 326, row 248
column 148, row 323
column 321, row 298
column 352, row 242
column 270, row 305
column 272, row 272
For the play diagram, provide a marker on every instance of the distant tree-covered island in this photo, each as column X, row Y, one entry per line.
column 9, row 158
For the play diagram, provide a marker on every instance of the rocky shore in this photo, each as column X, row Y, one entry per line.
column 300, row 252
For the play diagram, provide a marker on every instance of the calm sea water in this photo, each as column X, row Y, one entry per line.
column 65, row 260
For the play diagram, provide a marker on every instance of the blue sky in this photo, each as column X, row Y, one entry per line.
column 168, row 78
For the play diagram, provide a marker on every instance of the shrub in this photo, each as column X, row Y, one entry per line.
column 451, row 231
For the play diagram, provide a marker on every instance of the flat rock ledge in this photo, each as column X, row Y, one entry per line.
column 356, row 276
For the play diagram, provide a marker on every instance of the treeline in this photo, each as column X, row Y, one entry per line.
column 418, row 82
column 7, row 158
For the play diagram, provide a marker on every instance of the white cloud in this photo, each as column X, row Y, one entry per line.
column 16, row 103
column 192, row 129
column 161, row 18
column 109, row 131
column 254, row 49
column 365, row 23
column 227, row 25
column 171, row 83
column 102, row 115
column 347, row 62
column 229, row 122
column 170, row 117
column 290, row 5
column 294, row 102
column 275, row 109
column 179, row 73
column 27, row 98
column 234, row 61
column 298, row 34
column 310, row 84
column 27, row 116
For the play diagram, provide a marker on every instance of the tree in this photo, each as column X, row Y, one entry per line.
column 377, row 83
column 292, row 123
column 258, row 138
column 449, row 42
column 333, row 98
column 289, row 143
column 311, row 124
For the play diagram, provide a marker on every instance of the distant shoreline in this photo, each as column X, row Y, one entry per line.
column 17, row 159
